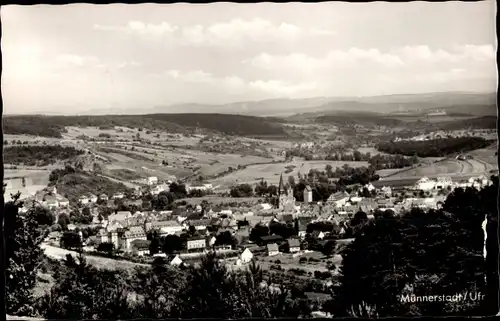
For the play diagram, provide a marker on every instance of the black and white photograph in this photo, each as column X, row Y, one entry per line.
column 259, row 160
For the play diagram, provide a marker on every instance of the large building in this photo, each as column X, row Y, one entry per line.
column 286, row 201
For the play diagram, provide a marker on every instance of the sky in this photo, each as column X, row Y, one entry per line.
column 72, row 58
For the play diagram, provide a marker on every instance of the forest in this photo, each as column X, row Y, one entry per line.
column 38, row 155
column 434, row 147
column 53, row 126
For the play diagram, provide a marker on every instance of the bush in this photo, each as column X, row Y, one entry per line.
column 302, row 260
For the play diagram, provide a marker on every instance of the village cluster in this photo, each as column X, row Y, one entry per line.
column 201, row 225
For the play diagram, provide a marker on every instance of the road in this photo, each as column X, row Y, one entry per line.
column 100, row 262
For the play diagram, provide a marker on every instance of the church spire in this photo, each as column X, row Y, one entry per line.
column 281, row 186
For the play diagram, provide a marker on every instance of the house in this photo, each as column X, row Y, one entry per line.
column 133, row 233
column 83, row 200
column 92, row 198
column 272, row 249
column 140, row 247
column 444, row 182
column 199, row 224
column 369, row 187
column 226, row 212
column 242, row 235
column 211, row 241
column 338, row 199
column 118, row 195
column 294, row 245
column 271, row 239
column 102, row 236
column 303, row 222
column 50, row 202
column 318, row 235
column 103, row 197
column 71, row 227
column 308, row 196
column 386, row 191
column 355, row 199
column 52, row 190
column 165, row 227
column 425, row 184
column 63, row 202
column 176, row 261
column 246, row 256
column 196, row 243
column 152, row 180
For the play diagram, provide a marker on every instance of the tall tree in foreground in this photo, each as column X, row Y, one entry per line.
column 23, row 237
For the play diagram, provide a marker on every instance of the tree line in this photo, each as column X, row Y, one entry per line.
column 38, row 155
column 435, row 147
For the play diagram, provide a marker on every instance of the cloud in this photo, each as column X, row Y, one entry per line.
column 281, row 88
column 374, row 60
column 141, row 28
column 334, row 59
column 236, row 32
column 77, row 60
column 456, row 55
column 237, row 84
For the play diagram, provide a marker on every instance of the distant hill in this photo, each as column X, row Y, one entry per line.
column 53, row 126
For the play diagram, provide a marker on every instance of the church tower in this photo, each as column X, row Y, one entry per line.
column 286, row 201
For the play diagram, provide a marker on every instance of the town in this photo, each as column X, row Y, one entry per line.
column 234, row 161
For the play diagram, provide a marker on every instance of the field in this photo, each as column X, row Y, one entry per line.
column 271, row 172
column 144, row 161
column 287, row 261
column 220, row 200
column 97, row 261
column 34, row 180
column 448, row 167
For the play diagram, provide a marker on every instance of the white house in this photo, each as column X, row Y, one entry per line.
column 444, row 182
column 338, row 199
column 294, row 245
column 272, row 249
column 71, row 227
column 246, row 256
column 167, row 227
column 425, row 184
column 83, row 200
column 212, row 240
column 369, row 187
column 152, row 180
column 92, row 198
column 118, row 195
column 176, row 261
column 226, row 212
column 133, row 233
column 386, row 191
column 63, row 202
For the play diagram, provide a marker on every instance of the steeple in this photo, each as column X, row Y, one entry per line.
column 281, row 186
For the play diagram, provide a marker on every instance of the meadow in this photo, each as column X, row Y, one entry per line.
column 271, row 172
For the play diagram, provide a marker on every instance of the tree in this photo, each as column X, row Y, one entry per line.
column 171, row 244
column 71, row 240
column 23, row 236
column 43, row 216
column 329, row 247
column 64, row 221
column 106, row 247
column 225, row 238
column 257, row 232
column 422, row 252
